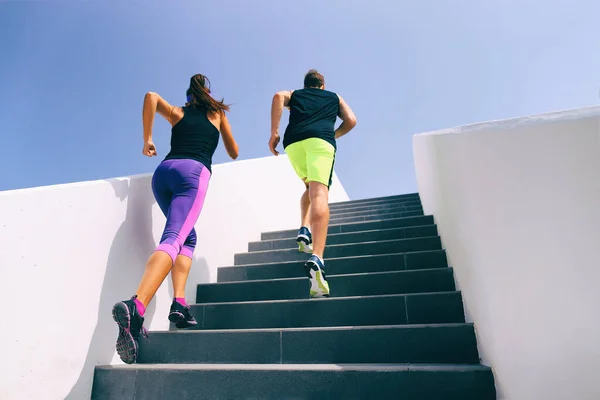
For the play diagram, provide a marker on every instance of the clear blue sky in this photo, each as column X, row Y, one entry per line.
column 73, row 75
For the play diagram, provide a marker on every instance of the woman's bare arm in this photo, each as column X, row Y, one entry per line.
column 228, row 140
column 153, row 104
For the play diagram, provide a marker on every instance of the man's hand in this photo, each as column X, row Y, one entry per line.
column 149, row 149
column 273, row 142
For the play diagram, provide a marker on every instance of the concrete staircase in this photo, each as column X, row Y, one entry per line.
column 394, row 327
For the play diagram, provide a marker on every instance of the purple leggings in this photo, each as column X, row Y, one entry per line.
column 180, row 187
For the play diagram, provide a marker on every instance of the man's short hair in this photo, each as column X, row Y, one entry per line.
column 313, row 79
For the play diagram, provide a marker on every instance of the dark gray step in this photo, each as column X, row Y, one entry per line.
column 293, row 382
column 376, row 207
column 422, row 308
column 337, row 266
column 377, row 200
column 352, row 237
column 374, row 213
column 441, row 343
column 343, row 250
column 356, row 227
column 405, row 206
column 402, row 214
column 369, row 284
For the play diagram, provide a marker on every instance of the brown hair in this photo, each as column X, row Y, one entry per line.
column 198, row 95
column 313, row 79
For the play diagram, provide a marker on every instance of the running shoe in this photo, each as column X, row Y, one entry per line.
column 180, row 316
column 131, row 326
column 304, row 240
column 319, row 287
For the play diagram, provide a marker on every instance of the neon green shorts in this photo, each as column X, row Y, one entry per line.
column 312, row 160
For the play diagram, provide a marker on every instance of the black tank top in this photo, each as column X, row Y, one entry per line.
column 313, row 113
column 194, row 137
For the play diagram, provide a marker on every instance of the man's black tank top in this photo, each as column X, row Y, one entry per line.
column 194, row 137
column 313, row 113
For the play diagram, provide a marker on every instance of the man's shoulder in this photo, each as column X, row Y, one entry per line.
column 318, row 92
column 331, row 94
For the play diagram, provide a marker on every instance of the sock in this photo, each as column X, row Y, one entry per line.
column 141, row 309
column 181, row 300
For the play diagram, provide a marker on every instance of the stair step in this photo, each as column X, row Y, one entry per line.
column 371, row 213
column 437, row 343
column 363, row 284
column 422, row 308
column 352, row 237
column 343, row 250
column 357, row 227
column 336, row 266
column 293, row 381
column 377, row 200
column 375, row 207
column 380, row 217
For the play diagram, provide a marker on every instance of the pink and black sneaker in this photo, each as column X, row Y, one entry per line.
column 180, row 315
column 130, row 322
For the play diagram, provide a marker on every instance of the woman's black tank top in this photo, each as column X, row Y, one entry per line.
column 194, row 137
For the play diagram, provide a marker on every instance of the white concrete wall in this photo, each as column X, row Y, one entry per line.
column 517, row 203
column 69, row 252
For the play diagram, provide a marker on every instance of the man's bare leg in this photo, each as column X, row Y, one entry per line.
column 305, row 208
column 319, row 216
column 304, row 238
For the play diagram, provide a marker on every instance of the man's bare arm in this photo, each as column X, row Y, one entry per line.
column 280, row 99
column 348, row 119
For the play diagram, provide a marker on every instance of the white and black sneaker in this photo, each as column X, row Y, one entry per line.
column 315, row 270
column 304, row 240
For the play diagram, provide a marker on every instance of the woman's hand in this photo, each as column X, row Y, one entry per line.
column 149, row 149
